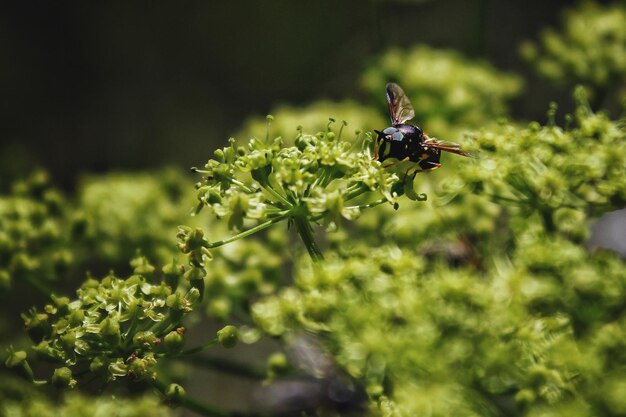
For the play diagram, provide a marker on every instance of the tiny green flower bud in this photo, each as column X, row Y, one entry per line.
column 193, row 295
column 141, row 368
column 174, row 340
column 62, row 377
column 69, row 340
column 175, row 394
column 172, row 273
column 61, row 303
column 219, row 155
column 37, row 325
column 277, row 364
column 15, row 358
column 76, row 317
column 228, row 336
column 99, row 365
column 110, row 331
column 144, row 339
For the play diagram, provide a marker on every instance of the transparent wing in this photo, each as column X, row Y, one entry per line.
column 445, row 146
column 400, row 108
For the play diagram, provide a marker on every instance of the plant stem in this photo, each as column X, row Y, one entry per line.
column 305, row 230
column 369, row 205
column 199, row 348
column 354, row 192
column 225, row 366
column 200, row 407
column 248, row 232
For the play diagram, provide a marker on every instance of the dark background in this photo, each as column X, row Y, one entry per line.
column 92, row 86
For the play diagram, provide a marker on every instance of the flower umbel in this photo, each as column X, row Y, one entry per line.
column 115, row 327
column 314, row 181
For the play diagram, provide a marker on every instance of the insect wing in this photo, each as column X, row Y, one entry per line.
column 444, row 146
column 400, row 108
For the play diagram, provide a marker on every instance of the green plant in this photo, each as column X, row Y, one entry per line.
column 311, row 182
column 588, row 50
column 518, row 324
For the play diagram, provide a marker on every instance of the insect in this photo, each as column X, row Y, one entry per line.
column 407, row 143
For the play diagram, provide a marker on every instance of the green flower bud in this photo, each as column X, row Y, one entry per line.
column 62, row 377
column 118, row 368
column 110, row 331
column 69, row 340
column 76, row 317
column 193, row 296
column 99, row 365
column 172, row 273
column 228, row 336
column 145, row 339
column 174, row 340
column 61, row 303
column 145, row 269
column 16, row 359
column 37, row 325
column 175, row 394
column 141, row 368
column 277, row 364
column 195, row 276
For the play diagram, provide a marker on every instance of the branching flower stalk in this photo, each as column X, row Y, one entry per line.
column 310, row 183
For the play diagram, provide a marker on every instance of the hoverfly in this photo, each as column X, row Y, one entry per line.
column 406, row 142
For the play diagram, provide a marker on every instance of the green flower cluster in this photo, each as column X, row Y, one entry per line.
column 591, row 49
column 311, row 119
column 84, row 406
column 47, row 239
column 508, row 341
column 311, row 182
column 115, row 327
column 561, row 177
column 126, row 212
column 33, row 245
column 491, row 304
column 448, row 91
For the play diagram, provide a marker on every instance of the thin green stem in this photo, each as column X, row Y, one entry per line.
column 226, row 366
column 369, row 205
column 355, row 192
column 305, row 231
column 248, row 232
column 197, row 406
column 277, row 195
column 199, row 348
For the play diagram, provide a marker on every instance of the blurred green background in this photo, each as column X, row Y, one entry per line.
column 92, row 86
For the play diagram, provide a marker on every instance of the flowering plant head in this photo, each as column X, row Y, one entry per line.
column 115, row 327
column 313, row 181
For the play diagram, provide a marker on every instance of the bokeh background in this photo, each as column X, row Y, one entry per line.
column 116, row 100
column 92, row 86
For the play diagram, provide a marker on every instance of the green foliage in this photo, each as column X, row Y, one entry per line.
column 46, row 238
column 33, row 245
column 492, row 305
column 590, row 49
column 449, row 92
column 482, row 301
column 126, row 212
column 75, row 405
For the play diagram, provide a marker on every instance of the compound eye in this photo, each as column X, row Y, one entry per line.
column 397, row 136
column 390, row 130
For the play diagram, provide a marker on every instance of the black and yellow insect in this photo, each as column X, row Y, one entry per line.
column 403, row 143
